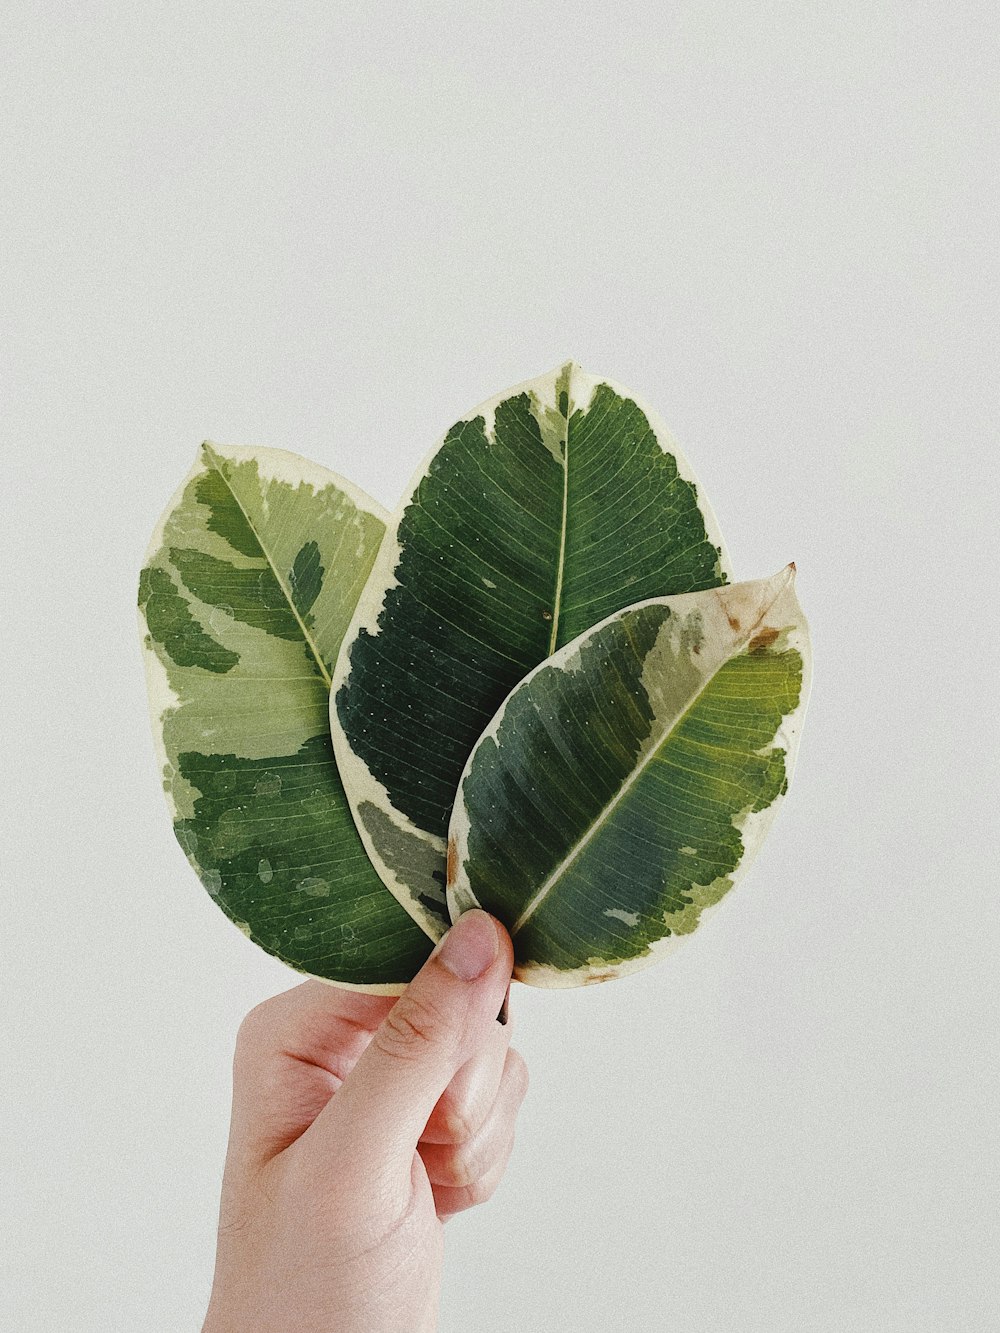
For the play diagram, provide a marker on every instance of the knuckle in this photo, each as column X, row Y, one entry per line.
column 410, row 1026
column 518, row 1074
column 250, row 1034
column 463, row 1167
column 456, row 1119
column 480, row 1163
column 478, row 1191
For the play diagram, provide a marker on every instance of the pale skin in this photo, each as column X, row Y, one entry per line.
column 360, row 1124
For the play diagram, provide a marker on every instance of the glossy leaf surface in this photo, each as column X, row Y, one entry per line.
column 623, row 787
column 250, row 580
column 540, row 513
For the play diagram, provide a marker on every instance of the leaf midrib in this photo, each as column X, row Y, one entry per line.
column 213, row 457
column 557, row 595
column 575, row 851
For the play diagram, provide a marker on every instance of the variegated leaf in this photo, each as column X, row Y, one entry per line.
column 249, row 582
column 540, row 513
column 625, row 784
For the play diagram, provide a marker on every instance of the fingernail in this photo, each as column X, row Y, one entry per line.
column 470, row 946
column 504, row 1013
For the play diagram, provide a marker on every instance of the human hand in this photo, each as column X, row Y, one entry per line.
column 359, row 1124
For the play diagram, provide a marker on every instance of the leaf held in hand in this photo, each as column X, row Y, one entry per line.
column 624, row 785
column 250, row 580
column 540, row 513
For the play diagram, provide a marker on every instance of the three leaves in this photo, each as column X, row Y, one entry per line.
column 544, row 697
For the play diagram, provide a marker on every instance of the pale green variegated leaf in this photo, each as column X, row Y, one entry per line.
column 625, row 784
column 250, row 580
column 540, row 513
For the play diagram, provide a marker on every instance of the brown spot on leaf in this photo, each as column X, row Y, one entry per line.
column 764, row 639
column 452, row 860
column 596, row 977
column 734, row 624
column 546, row 615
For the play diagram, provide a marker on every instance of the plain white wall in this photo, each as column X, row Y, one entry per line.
column 335, row 229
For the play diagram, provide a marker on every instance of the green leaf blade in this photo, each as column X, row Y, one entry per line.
column 638, row 529
column 625, row 785
column 250, row 580
column 550, row 505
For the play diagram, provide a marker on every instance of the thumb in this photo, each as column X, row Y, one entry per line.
column 435, row 1026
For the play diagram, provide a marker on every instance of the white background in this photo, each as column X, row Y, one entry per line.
column 335, row 229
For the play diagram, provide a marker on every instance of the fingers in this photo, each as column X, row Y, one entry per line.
column 292, row 1053
column 478, row 1162
column 435, row 1027
column 468, row 1098
column 448, row 1202
column 465, row 1174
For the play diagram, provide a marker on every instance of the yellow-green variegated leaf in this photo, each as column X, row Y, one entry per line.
column 625, row 784
column 540, row 513
column 249, row 582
